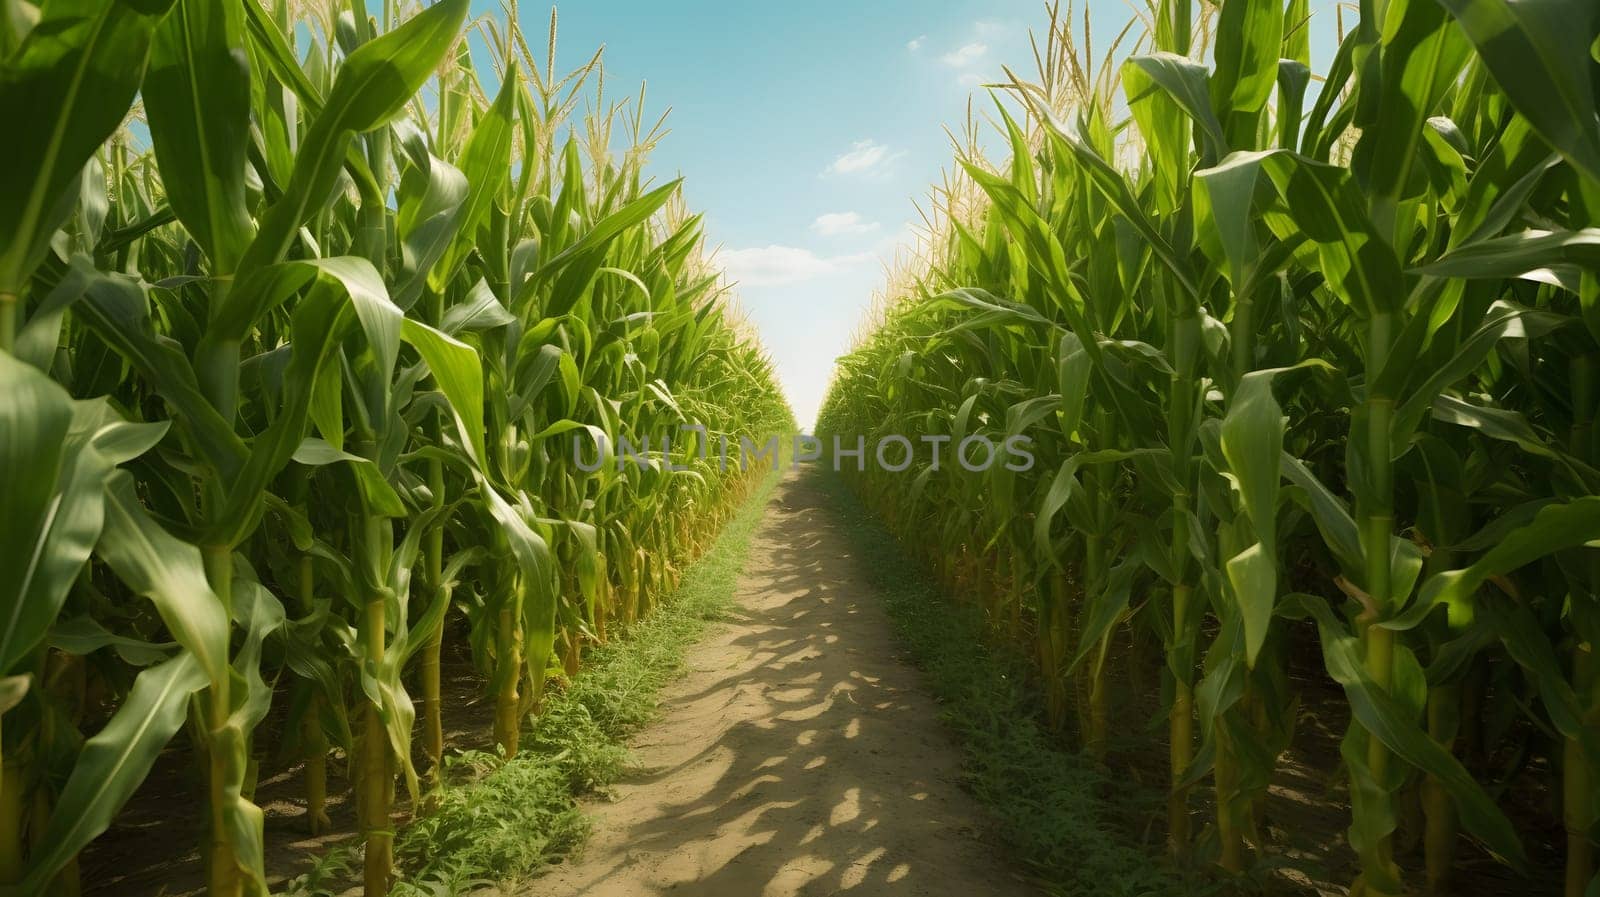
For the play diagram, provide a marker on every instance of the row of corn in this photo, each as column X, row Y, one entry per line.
column 1311, row 366
column 313, row 318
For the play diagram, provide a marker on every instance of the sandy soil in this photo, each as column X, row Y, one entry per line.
column 798, row 756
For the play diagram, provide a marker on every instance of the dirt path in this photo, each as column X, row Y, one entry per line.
column 798, row 755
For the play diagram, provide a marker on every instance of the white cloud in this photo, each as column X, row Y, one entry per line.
column 965, row 56
column 771, row 266
column 970, row 79
column 835, row 224
column 915, row 43
column 864, row 157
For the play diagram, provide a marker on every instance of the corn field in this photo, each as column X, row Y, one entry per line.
column 1311, row 367
column 302, row 306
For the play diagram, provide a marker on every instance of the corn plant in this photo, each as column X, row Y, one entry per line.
column 1284, row 354
column 292, row 350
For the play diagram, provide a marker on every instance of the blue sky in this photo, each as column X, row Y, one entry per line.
column 805, row 131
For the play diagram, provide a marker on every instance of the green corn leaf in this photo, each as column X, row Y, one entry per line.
column 1322, row 202
column 1187, row 84
column 1252, row 441
column 1065, row 484
column 1322, row 125
column 269, row 39
column 378, row 496
column 480, row 311
column 536, row 599
column 111, row 766
column 1519, row 255
column 117, row 310
column 1293, row 79
column 258, row 614
column 1330, row 514
column 1525, row 640
column 1539, row 54
column 994, row 310
column 1554, row 528
column 1056, row 498
column 1297, row 32
column 1249, row 39
column 432, row 617
column 84, row 635
column 575, row 266
column 1505, row 320
column 13, row 689
column 432, row 196
column 373, row 86
column 71, row 81
column 1114, row 187
column 1104, row 611
column 1422, row 57
column 1501, row 185
column 1384, row 719
column 168, row 571
column 1509, row 426
column 197, row 98
column 345, row 290
column 487, row 160
column 1073, row 366
column 571, row 199
column 1227, row 197
column 457, row 370
column 52, row 510
column 40, row 336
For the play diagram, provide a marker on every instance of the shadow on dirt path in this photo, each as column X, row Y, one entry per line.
column 798, row 755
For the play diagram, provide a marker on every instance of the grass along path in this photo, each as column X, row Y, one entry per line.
column 502, row 823
column 799, row 755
